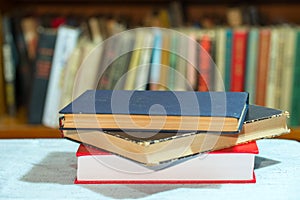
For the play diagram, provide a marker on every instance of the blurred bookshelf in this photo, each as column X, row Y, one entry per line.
column 134, row 14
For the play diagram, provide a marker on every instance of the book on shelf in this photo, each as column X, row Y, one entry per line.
column 2, row 81
column 9, row 65
column 295, row 105
column 66, row 41
column 153, row 148
column 156, row 110
column 262, row 66
column 238, row 64
column 233, row 165
column 45, row 50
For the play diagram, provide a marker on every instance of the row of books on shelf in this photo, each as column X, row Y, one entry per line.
column 44, row 68
column 183, row 143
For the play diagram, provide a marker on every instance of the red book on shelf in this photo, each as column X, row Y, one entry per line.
column 204, row 82
column 238, row 65
column 231, row 165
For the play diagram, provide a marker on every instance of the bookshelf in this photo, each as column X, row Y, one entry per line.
column 275, row 10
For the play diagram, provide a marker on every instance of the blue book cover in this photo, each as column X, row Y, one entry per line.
column 180, row 106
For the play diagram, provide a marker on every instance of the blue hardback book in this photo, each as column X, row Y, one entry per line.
column 157, row 110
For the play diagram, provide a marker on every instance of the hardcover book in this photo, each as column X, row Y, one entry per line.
column 156, row 111
column 232, row 165
column 153, row 148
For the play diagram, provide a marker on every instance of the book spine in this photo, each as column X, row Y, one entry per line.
column 238, row 64
column 181, row 64
column 134, row 62
column 165, row 62
column 251, row 65
column 219, row 79
column 288, row 63
column 262, row 68
column 295, row 108
column 9, row 65
column 2, row 83
column 121, row 64
column 155, row 61
column 228, row 58
column 192, row 63
column 204, row 83
column 173, row 60
column 144, row 65
column 43, row 63
column 65, row 43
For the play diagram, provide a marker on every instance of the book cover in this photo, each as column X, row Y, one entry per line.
column 43, row 63
column 152, row 148
column 66, row 42
column 234, row 165
column 238, row 65
column 153, row 110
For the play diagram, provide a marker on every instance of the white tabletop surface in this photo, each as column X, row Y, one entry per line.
column 45, row 169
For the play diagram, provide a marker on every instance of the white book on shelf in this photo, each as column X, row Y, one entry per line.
column 288, row 64
column 65, row 44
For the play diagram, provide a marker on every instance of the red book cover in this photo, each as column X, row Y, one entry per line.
column 204, row 64
column 167, row 178
column 238, row 65
column 263, row 63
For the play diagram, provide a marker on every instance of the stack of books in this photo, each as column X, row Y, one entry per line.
column 167, row 136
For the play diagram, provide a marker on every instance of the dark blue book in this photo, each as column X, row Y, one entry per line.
column 156, row 111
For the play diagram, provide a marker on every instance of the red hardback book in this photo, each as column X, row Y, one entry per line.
column 231, row 165
column 238, row 65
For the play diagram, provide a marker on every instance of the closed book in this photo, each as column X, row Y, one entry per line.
column 66, row 42
column 238, row 65
column 42, row 70
column 152, row 148
column 234, row 165
column 157, row 110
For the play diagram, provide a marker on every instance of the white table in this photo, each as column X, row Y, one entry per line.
column 45, row 169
